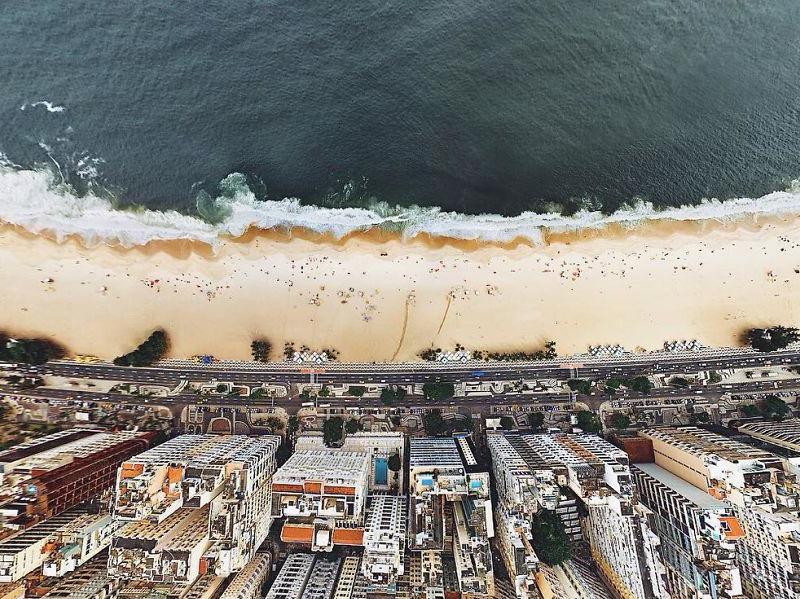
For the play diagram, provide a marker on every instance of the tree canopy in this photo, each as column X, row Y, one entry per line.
column 332, row 431
column 772, row 338
column 548, row 353
column 641, row 384
column 434, row 423
column 150, row 351
column 550, row 541
column 582, row 386
column 389, row 395
column 394, row 462
column 356, row 390
column 507, row 423
column 620, row 421
column 589, row 422
column 261, row 349
column 536, row 420
column 750, row 410
column 30, row 351
column 775, row 407
column 438, row 391
column 352, row 426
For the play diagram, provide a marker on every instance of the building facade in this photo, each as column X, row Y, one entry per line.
column 761, row 490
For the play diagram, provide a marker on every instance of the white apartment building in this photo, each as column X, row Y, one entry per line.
column 292, row 578
column 698, row 535
column 247, row 582
column 380, row 446
column 785, row 433
column 42, row 543
column 384, row 541
column 193, row 497
column 73, row 545
column 617, row 526
column 447, row 470
column 762, row 490
column 348, row 574
column 322, row 494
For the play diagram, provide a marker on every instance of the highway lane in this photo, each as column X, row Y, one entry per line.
column 343, row 373
column 474, row 402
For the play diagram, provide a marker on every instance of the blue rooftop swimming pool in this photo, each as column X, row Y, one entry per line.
column 381, row 471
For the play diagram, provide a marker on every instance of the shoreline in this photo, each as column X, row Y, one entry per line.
column 375, row 296
column 610, row 232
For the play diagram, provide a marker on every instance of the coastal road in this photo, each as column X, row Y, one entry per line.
column 475, row 403
column 405, row 374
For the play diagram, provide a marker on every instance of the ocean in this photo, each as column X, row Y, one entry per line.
column 469, row 118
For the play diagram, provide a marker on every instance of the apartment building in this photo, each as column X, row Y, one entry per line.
column 247, row 583
column 384, row 541
column 617, row 527
column 322, row 496
column 348, row 575
column 322, row 580
column 89, row 581
column 760, row 489
column 569, row 581
column 292, row 578
column 446, row 472
column 698, row 534
column 580, row 580
column 785, row 434
column 380, row 446
column 196, row 503
column 48, row 476
column 64, row 541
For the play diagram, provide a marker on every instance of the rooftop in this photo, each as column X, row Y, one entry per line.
column 435, row 452
column 686, row 490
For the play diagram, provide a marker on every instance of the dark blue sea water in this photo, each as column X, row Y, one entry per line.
column 476, row 106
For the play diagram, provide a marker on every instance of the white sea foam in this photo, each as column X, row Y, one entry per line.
column 49, row 106
column 35, row 200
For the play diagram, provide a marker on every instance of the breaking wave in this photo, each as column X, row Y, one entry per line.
column 49, row 106
column 37, row 201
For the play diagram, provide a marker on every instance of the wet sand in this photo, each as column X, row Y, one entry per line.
column 375, row 296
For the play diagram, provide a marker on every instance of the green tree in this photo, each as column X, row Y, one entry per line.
column 589, row 422
column 389, row 395
column 536, row 420
column 775, row 407
column 29, row 351
column 438, row 391
column 273, row 423
column 150, row 351
column 260, row 349
column 582, row 386
column 620, row 421
column 332, row 431
column 550, row 541
column 642, row 384
column 507, row 423
column 352, row 426
column 434, row 423
column 772, row 338
column 394, row 462
column 679, row 381
column 324, row 391
column 750, row 410
column 714, row 377
column 356, row 390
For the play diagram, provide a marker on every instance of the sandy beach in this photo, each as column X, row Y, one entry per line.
column 374, row 297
